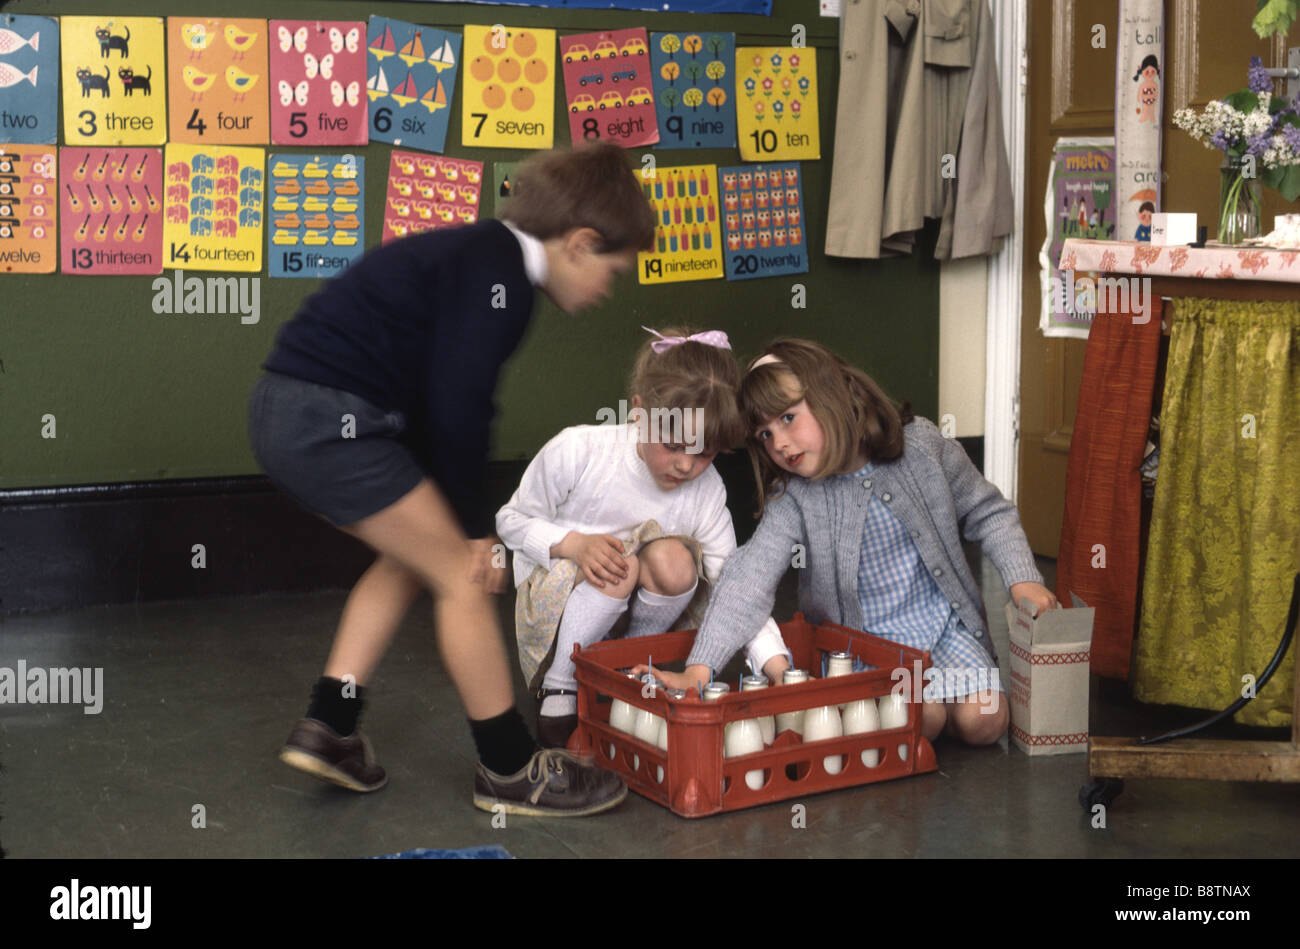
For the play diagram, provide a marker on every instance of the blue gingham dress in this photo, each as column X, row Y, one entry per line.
column 902, row 603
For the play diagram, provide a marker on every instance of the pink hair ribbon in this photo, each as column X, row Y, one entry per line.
column 716, row 338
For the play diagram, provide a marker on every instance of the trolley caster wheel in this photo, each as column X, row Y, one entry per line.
column 1100, row 791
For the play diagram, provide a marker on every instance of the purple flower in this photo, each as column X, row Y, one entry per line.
column 1292, row 135
column 1219, row 142
column 1260, row 143
column 1259, row 81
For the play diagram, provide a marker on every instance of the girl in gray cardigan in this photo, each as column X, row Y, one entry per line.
column 871, row 504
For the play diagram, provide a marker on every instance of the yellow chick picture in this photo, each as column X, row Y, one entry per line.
column 239, row 40
column 240, row 82
column 196, row 38
column 198, row 82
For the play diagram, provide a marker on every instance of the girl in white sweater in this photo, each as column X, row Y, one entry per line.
column 632, row 506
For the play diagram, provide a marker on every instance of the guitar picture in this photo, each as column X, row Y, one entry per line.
column 120, row 171
column 81, row 231
column 74, row 203
column 96, row 205
column 99, row 171
column 120, row 234
column 138, row 236
column 132, row 201
column 102, row 231
column 138, row 171
column 153, row 202
column 80, row 173
column 114, row 204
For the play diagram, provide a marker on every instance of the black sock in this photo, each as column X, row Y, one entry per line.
column 331, row 706
column 504, row 745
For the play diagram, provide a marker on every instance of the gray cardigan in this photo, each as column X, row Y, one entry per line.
column 932, row 488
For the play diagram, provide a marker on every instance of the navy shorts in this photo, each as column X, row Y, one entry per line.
column 333, row 452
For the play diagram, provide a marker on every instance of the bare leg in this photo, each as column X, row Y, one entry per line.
column 979, row 720
column 374, row 610
column 421, row 534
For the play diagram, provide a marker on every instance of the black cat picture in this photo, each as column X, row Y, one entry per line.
column 132, row 82
column 108, row 42
column 89, row 81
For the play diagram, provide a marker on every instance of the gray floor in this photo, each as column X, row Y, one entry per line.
column 199, row 695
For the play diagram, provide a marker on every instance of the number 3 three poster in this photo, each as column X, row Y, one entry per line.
column 776, row 103
column 113, row 78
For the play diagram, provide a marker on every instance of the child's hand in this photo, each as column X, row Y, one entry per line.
column 676, row 680
column 1035, row 593
column 482, row 570
column 598, row 556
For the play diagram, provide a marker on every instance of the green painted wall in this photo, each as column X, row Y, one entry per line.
column 143, row 396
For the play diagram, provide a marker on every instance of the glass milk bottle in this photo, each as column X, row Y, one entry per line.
column 738, row 738
column 860, row 716
column 766, row 723
column 621, row 715
column 893, row 714
column 661, row 740
column 822, row 723
column 645, row 724
column 792, row 721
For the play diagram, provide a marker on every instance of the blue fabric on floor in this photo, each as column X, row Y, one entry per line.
column 469, row 853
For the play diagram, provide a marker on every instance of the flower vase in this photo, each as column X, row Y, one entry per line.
column 1239, row 202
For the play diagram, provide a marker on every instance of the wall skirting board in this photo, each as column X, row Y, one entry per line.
column 91, row 545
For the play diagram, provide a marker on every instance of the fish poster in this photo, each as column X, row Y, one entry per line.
column 695, row 88
column 217, row 81
column 29, row 79
column 213, row 206
column 762, row 218
column 29, row 184
column 426, row 192
column 410, row 78
column 318, row 77
column 317, row 222
column 688, row 233
column 607, row 87
column 509, row 99
column 111, row 210
column 114, row 78
column 776, row 103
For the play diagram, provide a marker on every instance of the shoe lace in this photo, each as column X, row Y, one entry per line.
column 546, row 762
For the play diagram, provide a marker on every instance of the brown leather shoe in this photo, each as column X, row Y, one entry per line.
column 553, row 731
column 349, row 762
column 554, row 783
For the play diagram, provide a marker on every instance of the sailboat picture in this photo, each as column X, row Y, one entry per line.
column 407, row 92
column 421, row 72
column 441, row 59
column 377, row 85
column 435, row 98
column 413, row 51
column 384, row 46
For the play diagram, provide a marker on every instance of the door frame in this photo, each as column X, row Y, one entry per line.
column 1005, row 297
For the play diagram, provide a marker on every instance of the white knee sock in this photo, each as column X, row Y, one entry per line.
column 653, row 613
column 588, row 616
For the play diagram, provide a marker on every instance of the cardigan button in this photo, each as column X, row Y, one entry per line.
column 886, row 496
column 938, row 571
column 866, row 482
column 979, row 633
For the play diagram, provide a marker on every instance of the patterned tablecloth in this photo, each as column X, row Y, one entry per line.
column 1214, row 261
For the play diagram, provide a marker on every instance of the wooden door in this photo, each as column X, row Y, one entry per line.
column 1071, row 91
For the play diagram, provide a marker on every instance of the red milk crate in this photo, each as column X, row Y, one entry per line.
column 697, row 780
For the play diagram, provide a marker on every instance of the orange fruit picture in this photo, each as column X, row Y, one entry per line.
column 500, row 46
column 482, row 68
column 508, row 69
column 535, row 70
column 525, row 43
column 494, row 97
column 522, row 98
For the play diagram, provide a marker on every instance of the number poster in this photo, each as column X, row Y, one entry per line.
column 317, row 214
column 695, row 89
column 776, row 103
column 29, row 77
column 28, row 209
column 427, row 192
column 112, row 212
column 607, row 86
column 318, row 76
column 213, row 208
column 509, row 99
column 410, row 78
column 762, row 216
column 217, row 81
column 113, row 75
column 688, row 234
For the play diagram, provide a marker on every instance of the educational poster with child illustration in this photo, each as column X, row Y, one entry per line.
column 217, row 81
column 688, row 233
column 607, row 87
column 426, row 192
column 114, row 77
column 29, row 207
column 694, row 88
column 509, row 99
column 29, row 77
column 112, row 211
column 1139, row 98
column 317, row 219
column 763, row 225
column 1080, row 204
column 213, row 207
column 318, row 76
column 776, row 103
column 410, row 78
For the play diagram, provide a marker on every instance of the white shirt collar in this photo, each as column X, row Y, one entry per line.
column 534, row 255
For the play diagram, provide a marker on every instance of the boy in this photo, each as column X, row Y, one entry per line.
column 375, row 412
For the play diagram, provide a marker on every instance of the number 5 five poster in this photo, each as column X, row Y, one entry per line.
column 776, row 103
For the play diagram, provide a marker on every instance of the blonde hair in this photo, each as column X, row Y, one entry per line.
column 853, row 412
column 692, row 376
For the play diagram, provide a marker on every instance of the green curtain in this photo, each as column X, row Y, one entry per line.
column 1225, row 529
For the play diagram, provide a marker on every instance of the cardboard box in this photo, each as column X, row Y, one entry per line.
column 1050, row 659
column 1173, row 228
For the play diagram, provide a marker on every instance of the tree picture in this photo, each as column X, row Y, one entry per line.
column 715, row 70
column 669, row 98
column 670, row 71
column 692, row 97
column 717, row 97
column 692, row 44
column 716, row 45
column 694, row 70
column 670, row 44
